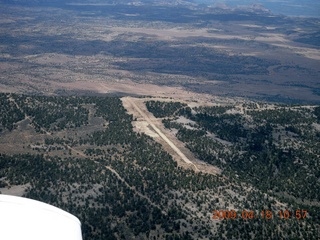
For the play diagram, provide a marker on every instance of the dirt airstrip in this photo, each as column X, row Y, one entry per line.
column 145, row 122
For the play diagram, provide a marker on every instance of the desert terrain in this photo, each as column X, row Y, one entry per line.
column 121, row 49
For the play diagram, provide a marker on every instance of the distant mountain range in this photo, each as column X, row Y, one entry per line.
column 308, row 8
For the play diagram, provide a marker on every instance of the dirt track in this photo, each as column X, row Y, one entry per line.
column 134, row 189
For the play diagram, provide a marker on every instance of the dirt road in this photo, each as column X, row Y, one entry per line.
column 134, row 189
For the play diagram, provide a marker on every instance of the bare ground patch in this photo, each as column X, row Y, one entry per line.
column 17, row 190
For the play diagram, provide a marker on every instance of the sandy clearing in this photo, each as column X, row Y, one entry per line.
column 174, row 33
column 316, row 126
column 185, row 120
column 257, row 26
column 143, row 126
column 17, row 190
column 307, row 52
column 52, row 58
column 251, row 25
column 164, row 34
column 272, row 37
column 131, row 87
